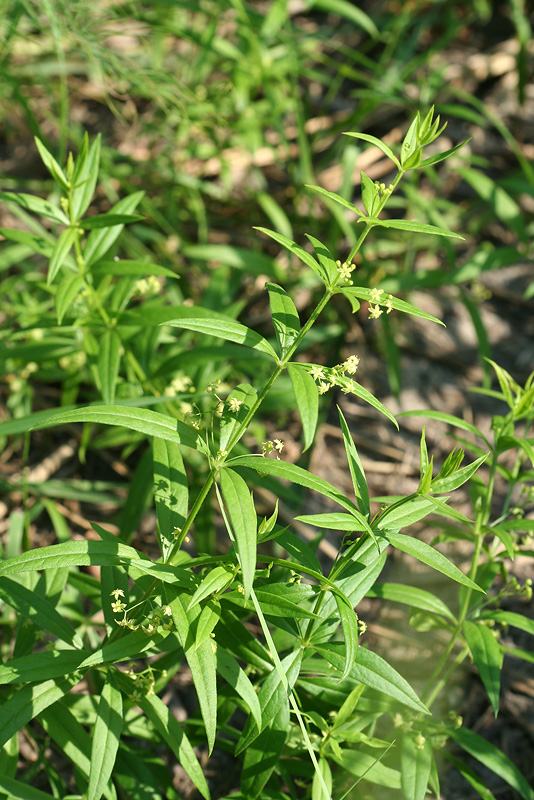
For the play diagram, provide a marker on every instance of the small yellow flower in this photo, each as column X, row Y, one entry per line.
column 117, row 607
column 116, row 593
column 317, row 372
column 375, row 295
column 351, row 365
column 234, row 404
column 374, row 312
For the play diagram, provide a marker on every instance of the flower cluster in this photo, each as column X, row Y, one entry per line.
column 336, row 376
column 376, row 300
column 268, row 447
column 144, row 684
column 179, row 385
column 147, row 286
column 345, row 270
column 155, row 620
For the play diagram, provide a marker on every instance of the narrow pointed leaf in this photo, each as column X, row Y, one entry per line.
column 71, row 554
column 99, row 241
column 307, row 397
column 377, row 143
column 226, row 329
column 238, row 680
column 428, row 162
column 106, row 736
column 242, row 514
column 36, row 204
column 304, row 256
column 108, row 220
column 458, row 478
column 492, row 758
column 411, row 596
column 337, row 199
column 263, row 755
column 349, row 624
column 85, row 178
column 60, row 252
column 359, row 480
column 142, row 420
column 416, row 763
column 108, row 365
column 488, row 657
column 51, row 164
column 285, row 317
column 131, row 268
column 457, row 422
column 216, row 580
column 431, row 557
column 67, row 291
column 171, row 492
column 414, row 227
column 246, row 396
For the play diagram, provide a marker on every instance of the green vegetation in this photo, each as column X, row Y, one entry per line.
column 183, row 260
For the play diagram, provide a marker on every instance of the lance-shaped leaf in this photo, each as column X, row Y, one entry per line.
column 294, row 248
column 60, row 252
column 285, row 317
column 300, row 476
column 272, row 696
column 47, row 665
column 363, row 293
column 488, row 656
column 51, row 164
column 36, row 204
column 336, row 198
column 492, row 758
column 108, row 220
column 226, row 329
column 207, row 621
column 371, row 670
column 72, row 554
column 263, row 755
column 413, row 227
column 142, row 420
column 411, row 596
column 349, row 625
column 307, row 397
column 335, row 521
column 239, row 681
column 369, row 194
column 428, row 162
column 458, row 478
column 244, row 396
column 416, row 763
column 357, row 474
column 100, row 240
column 37, row 609
column 431, row 557
column 130, row 268
column 242, row 515
column 171, row 492
column 325, row 258
column 109, row 356
column 18, row 790
column 171, row 732
column 106, row 736
column 28, row 702
column 458, row 422
column 377, row 143
column 67, row 291
column 215, row 581
column 85, row 176
column 201, row 659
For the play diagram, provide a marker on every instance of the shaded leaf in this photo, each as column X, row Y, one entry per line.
column 307, row 398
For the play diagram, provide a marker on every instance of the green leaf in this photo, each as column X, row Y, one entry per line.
column 240, row 682
column 85, row 176
column 107, row 220
column 377, row 143
column 226, row 329
column 171, row 492
column 492, row 758
column 273, row 696
column 335, row 521
column 457, row 422
column 414, row 227
column 351, row 12
column 487, row 655
column 336, row 198
column 357, row 474
column 363, row 394
column 317, row 789
column 67, row 291
column 35, row 242
column 301, row 254
column 242, row 514
column 471, row 777
column 33, row 203
column 17, row 790
column 307, row 397
column 71, row 554
column 28, row 702
column 325, row 258
column 428, row 162
column 136, row 419
column 369, row 194
column 300, row 476
column 215, row 581
column 171, row 732
column 371, row 670
column 60, row 252
column 109, row 356
column 246, row 396
column 131, row 268
column 458, row 478
column 99, row 241
column 51, row 164
column 349, row 625
column 106, row 737
column 431, row 557
column 263, row 755
column 47, row 665
column 38, row 610
column 201, row 660
column 416, row 763
column 286, row 600
column 411, row 596
column 207, row 621
column 285, row 317
column 510, row 618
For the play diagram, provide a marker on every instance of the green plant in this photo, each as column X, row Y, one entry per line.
column 157, row 613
